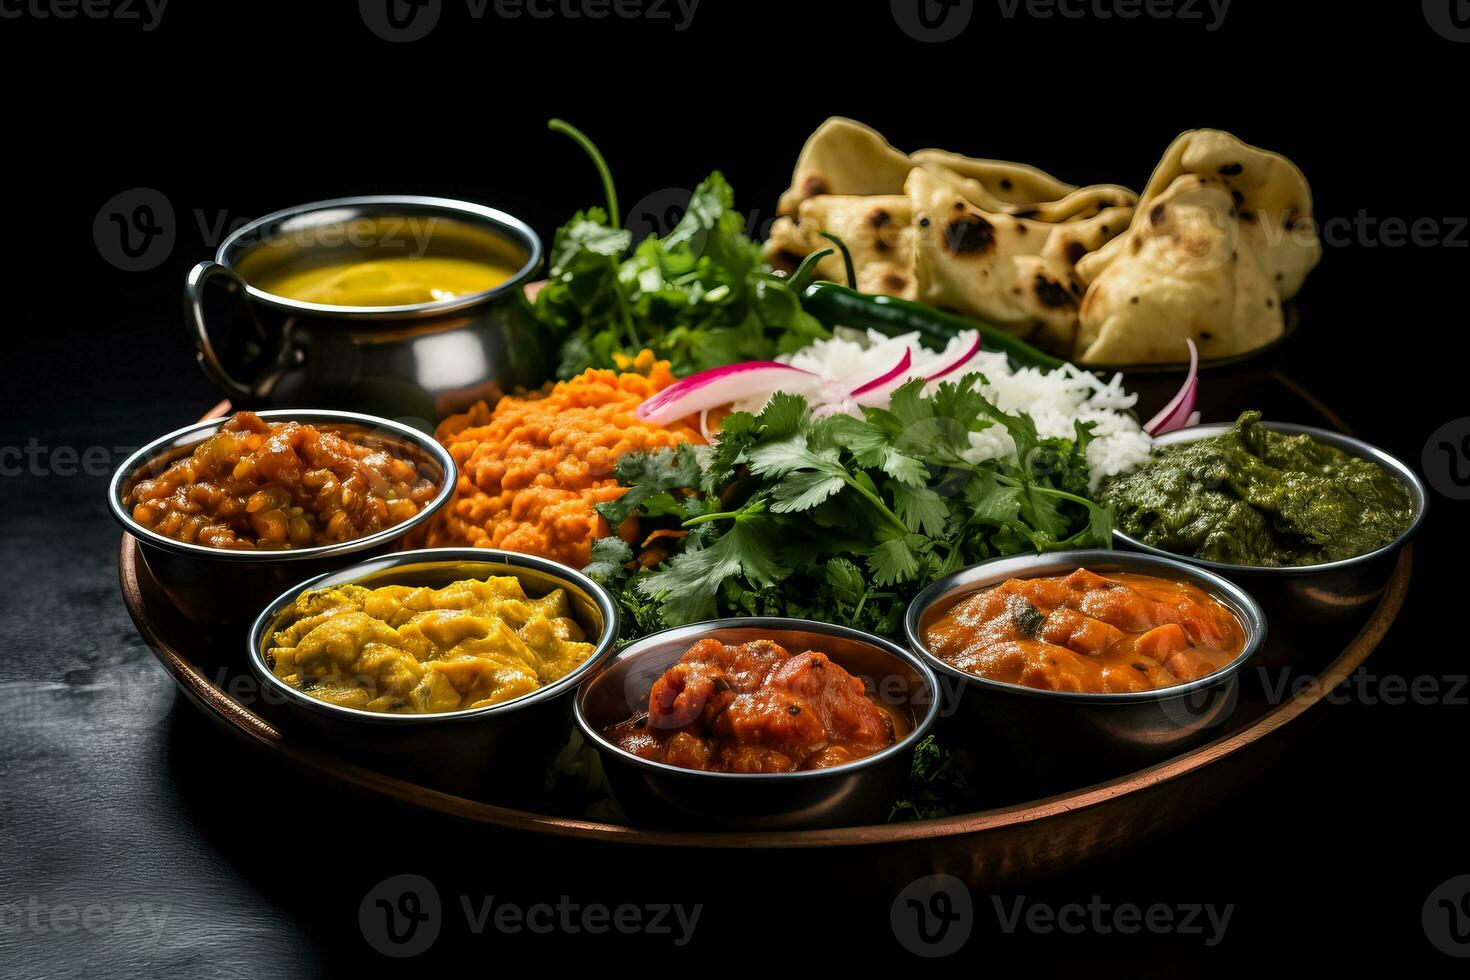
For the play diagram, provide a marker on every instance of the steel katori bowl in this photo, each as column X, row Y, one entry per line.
column 1325, row 594
column 861, row 791
column 421, row 360
column 499, row 751
column 222, row 589
column 1071, row 735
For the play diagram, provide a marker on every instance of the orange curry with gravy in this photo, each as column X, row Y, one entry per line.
column 756, row 708
column 1088, row 633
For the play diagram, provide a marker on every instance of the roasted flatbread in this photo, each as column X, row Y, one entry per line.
column 1000, row 241
column 1222, row 237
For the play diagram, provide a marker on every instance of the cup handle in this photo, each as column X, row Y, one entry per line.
column 199, row 277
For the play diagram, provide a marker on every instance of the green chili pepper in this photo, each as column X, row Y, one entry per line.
column 836, row 305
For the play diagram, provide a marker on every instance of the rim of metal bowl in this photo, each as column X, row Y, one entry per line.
column 990, row 573
column 603, row 648
column 135, row 462
column 1418, row 493
column 773, row 623
column 502, row 219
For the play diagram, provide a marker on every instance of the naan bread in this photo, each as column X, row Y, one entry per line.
column 1025, row 191
column 1223, row 236
column 847, row 158
column 877, row 230
column 987, row 259
column 851, row 182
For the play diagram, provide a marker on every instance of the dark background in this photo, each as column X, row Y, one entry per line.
column 113, row 793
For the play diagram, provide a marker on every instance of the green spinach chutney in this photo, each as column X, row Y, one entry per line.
column 1253, row 497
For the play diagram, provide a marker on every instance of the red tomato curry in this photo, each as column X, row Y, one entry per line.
column 1089, row 633
column 756, row 708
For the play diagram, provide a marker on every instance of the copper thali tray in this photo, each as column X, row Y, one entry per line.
column 1030, row 835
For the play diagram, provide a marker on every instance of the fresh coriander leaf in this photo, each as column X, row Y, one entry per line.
column 920, row 508
column 846, row 581
column 805, row 490
column 609, row 555
column 687, row 584
column 908, row 404
column 783, row 415
column 892, row 561
column 785, row 456
column 662, row 469
column 648, row 475
column 991, row 503
column 903, row 467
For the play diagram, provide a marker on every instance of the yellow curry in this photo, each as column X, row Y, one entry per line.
column 410, row 650
column 394, row 281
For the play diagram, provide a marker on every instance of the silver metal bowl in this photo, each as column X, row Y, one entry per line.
column 1072, row 735
column 858, row 792
column 1330, row 593
column 424, row 360
column 222, row 589
column 494, row 752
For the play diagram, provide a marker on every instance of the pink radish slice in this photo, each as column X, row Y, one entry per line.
column 901, row 367
column 879, row 391
column 723, row 385
column 1180, row 410
column 965, row 358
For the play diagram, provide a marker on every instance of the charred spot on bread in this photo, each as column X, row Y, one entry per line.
column 813, row 186
column 1053, row 294
column 1229, row 169
column 1075, row 251
column 969, row 234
